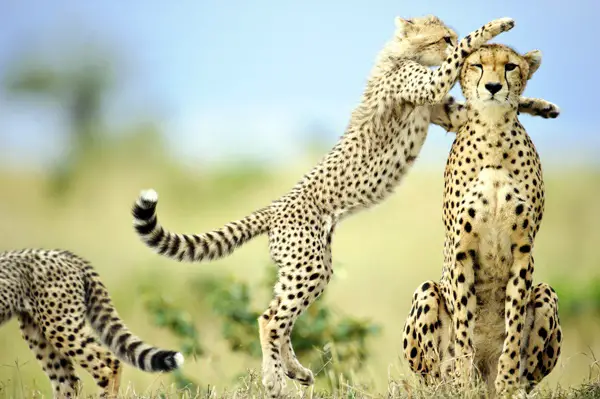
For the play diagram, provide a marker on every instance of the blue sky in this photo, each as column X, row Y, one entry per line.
column 239, row 78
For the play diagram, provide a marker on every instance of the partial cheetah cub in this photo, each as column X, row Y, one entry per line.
column 52, row 293
column 383, row 139
column 485, row 309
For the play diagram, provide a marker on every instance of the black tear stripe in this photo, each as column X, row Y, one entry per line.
column 479, row 81
column 447, row 111
column 508, row 83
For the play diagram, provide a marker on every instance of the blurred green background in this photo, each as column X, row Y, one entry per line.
column 84, row 126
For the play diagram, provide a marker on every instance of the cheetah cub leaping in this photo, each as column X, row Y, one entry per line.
column 53, row 293
column 383, row 139
column 485, row 311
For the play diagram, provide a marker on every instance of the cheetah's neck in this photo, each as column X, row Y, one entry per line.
column 491, row 116
column 490, row 121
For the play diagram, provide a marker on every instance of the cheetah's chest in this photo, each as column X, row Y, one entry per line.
column 478, row 147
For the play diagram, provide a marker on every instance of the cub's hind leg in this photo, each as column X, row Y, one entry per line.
column 73, row 338
column 58, row 368
column 293, row 368
column 543, row 336
column 300, row 252
column 426, row 336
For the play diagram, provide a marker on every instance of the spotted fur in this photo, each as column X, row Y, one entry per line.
column 53, row 293
column 485, row 311
column 382, row 141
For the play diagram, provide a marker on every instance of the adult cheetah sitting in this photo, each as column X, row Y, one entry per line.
column 52, row 293
column 382, row 141
column 485, row 311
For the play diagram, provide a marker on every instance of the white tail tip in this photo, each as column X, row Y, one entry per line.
column 149, row 195
column 179, row 359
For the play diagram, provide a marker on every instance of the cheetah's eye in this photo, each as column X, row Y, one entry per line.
column 477, row 66
column 510, row 66
column 448, row 39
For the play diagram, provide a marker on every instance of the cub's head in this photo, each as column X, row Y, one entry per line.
column 427, row 39
column 495, row 76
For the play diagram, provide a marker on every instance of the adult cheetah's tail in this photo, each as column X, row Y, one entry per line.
column 113, row 333
column 194, row 247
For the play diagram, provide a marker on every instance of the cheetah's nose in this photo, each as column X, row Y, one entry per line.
column 493, row 87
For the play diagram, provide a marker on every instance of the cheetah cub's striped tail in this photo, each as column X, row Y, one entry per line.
column 112, row 331
column 194, row 247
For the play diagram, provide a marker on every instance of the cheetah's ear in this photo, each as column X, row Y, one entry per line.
column 402, row 26
column 534, row 59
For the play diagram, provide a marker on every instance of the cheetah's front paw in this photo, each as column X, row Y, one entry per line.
column 549, row 111
column 463, row 372
column 539, row 107
column 273, row 381
column 499, row 25
column 476, row 39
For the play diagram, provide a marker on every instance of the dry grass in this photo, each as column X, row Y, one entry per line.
column 249, row 386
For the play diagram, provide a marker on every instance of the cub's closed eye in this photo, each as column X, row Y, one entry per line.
column 510, row 66
column 448, row 39
column 477, row 66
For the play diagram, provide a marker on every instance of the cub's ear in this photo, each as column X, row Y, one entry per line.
column 534, row 59
column 402, row 26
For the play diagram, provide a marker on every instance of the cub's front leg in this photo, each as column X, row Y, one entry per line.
column 452, row 114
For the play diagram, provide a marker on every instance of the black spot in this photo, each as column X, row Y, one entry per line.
column 525, row 248
column 468, row 227
column 523, row 273
column 519, row 209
